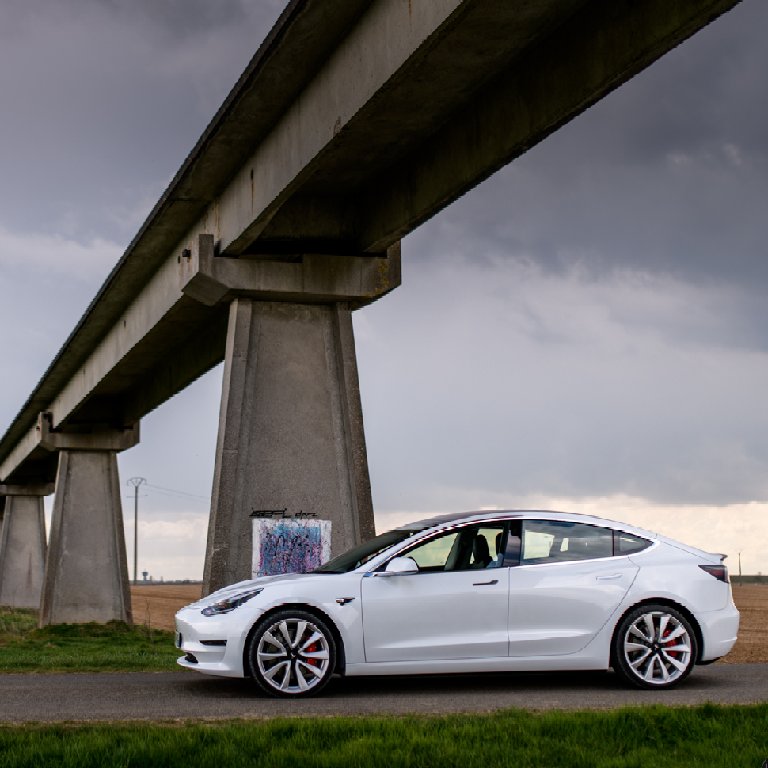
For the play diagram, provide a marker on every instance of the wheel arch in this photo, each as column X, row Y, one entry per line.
column 341, row 659
column 660, row 601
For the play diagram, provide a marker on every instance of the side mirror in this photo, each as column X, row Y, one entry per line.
column 399, row 566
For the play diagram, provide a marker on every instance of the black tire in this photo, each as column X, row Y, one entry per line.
column 292, row 653
column 654, row 646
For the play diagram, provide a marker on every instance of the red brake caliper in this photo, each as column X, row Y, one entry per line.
column 312, row 649
column 673, row 654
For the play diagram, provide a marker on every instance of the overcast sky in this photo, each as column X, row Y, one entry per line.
column 586, row 331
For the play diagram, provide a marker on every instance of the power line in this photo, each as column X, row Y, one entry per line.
column 176, row 492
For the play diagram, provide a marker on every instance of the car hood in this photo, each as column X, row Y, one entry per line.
column 247, row 585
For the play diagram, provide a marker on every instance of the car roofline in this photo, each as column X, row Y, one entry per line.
column 511, row 514
column 443, row 522
column 481, row 515
column 526, row 514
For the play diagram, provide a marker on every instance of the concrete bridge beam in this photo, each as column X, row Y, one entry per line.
column 22, row 545
column 86, row 571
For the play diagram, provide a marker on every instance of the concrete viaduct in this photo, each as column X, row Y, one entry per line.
column 355, row 122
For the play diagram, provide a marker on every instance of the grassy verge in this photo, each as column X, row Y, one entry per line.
column 81, row 647
column 661, row 737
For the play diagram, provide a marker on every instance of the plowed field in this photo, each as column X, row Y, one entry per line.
column 156, row 604
column 752, row 645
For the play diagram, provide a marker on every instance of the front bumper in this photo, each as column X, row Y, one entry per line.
column 211, row 645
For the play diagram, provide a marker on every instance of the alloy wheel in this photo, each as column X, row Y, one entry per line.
column 293, row 655
column 657, row 647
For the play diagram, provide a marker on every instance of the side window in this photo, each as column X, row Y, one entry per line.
column 472, row 547
column 487, row 546
column 433, row 555
column 538, row 542
column 550, row 541
column 628, row 543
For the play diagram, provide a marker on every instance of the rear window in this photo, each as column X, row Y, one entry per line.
column 627, row 543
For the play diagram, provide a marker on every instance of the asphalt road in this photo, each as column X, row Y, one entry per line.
column 174, row 695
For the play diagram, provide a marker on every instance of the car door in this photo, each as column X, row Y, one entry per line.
column 567, row 586
column 455, row 607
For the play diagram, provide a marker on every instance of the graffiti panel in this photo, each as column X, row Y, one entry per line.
column 289, row 546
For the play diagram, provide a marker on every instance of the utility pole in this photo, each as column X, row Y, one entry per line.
column 136, row 482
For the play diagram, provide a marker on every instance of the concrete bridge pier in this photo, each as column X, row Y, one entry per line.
column 290, row 424
column 22, row 545
column 290, row 431
column 86, row 571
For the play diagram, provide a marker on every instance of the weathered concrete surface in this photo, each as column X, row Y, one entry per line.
column 22, row 551
column 86, row 572
column 308, row 279
column 290, row 430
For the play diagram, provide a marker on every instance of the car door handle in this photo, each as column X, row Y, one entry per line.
column 609, row 578
column 485, row 583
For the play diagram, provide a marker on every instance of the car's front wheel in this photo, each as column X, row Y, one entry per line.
column 654, row 646
column 292, row 653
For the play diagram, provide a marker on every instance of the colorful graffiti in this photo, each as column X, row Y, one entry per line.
column 289, row 545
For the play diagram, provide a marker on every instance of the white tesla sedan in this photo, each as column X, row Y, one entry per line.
column 477, row 592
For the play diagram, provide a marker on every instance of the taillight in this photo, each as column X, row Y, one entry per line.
column 720, row 572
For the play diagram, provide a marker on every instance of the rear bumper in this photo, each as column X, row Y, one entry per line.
column 719, row 631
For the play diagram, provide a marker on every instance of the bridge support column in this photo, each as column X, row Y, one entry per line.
column 86, row 571
column 290, row 430
column 86, row 574
column 22, row 546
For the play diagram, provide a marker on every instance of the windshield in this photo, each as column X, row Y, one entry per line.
column 357, row 556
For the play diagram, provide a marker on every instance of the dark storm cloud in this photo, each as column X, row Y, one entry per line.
column 668, row 174
column 113, row 93
column 180, row 19
column 711, row 91
column 99, row 104
column 604, row 327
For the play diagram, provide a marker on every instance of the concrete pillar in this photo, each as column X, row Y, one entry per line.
column 22, row 547
column 86, row 572
column 290, row 430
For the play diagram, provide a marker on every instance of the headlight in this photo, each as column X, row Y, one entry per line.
column 230, row 603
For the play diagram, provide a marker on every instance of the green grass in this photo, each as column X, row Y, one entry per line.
column 662, row 737
column 81, row 647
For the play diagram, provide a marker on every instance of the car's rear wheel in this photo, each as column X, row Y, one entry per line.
column 292, row 653
column 654, row 646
